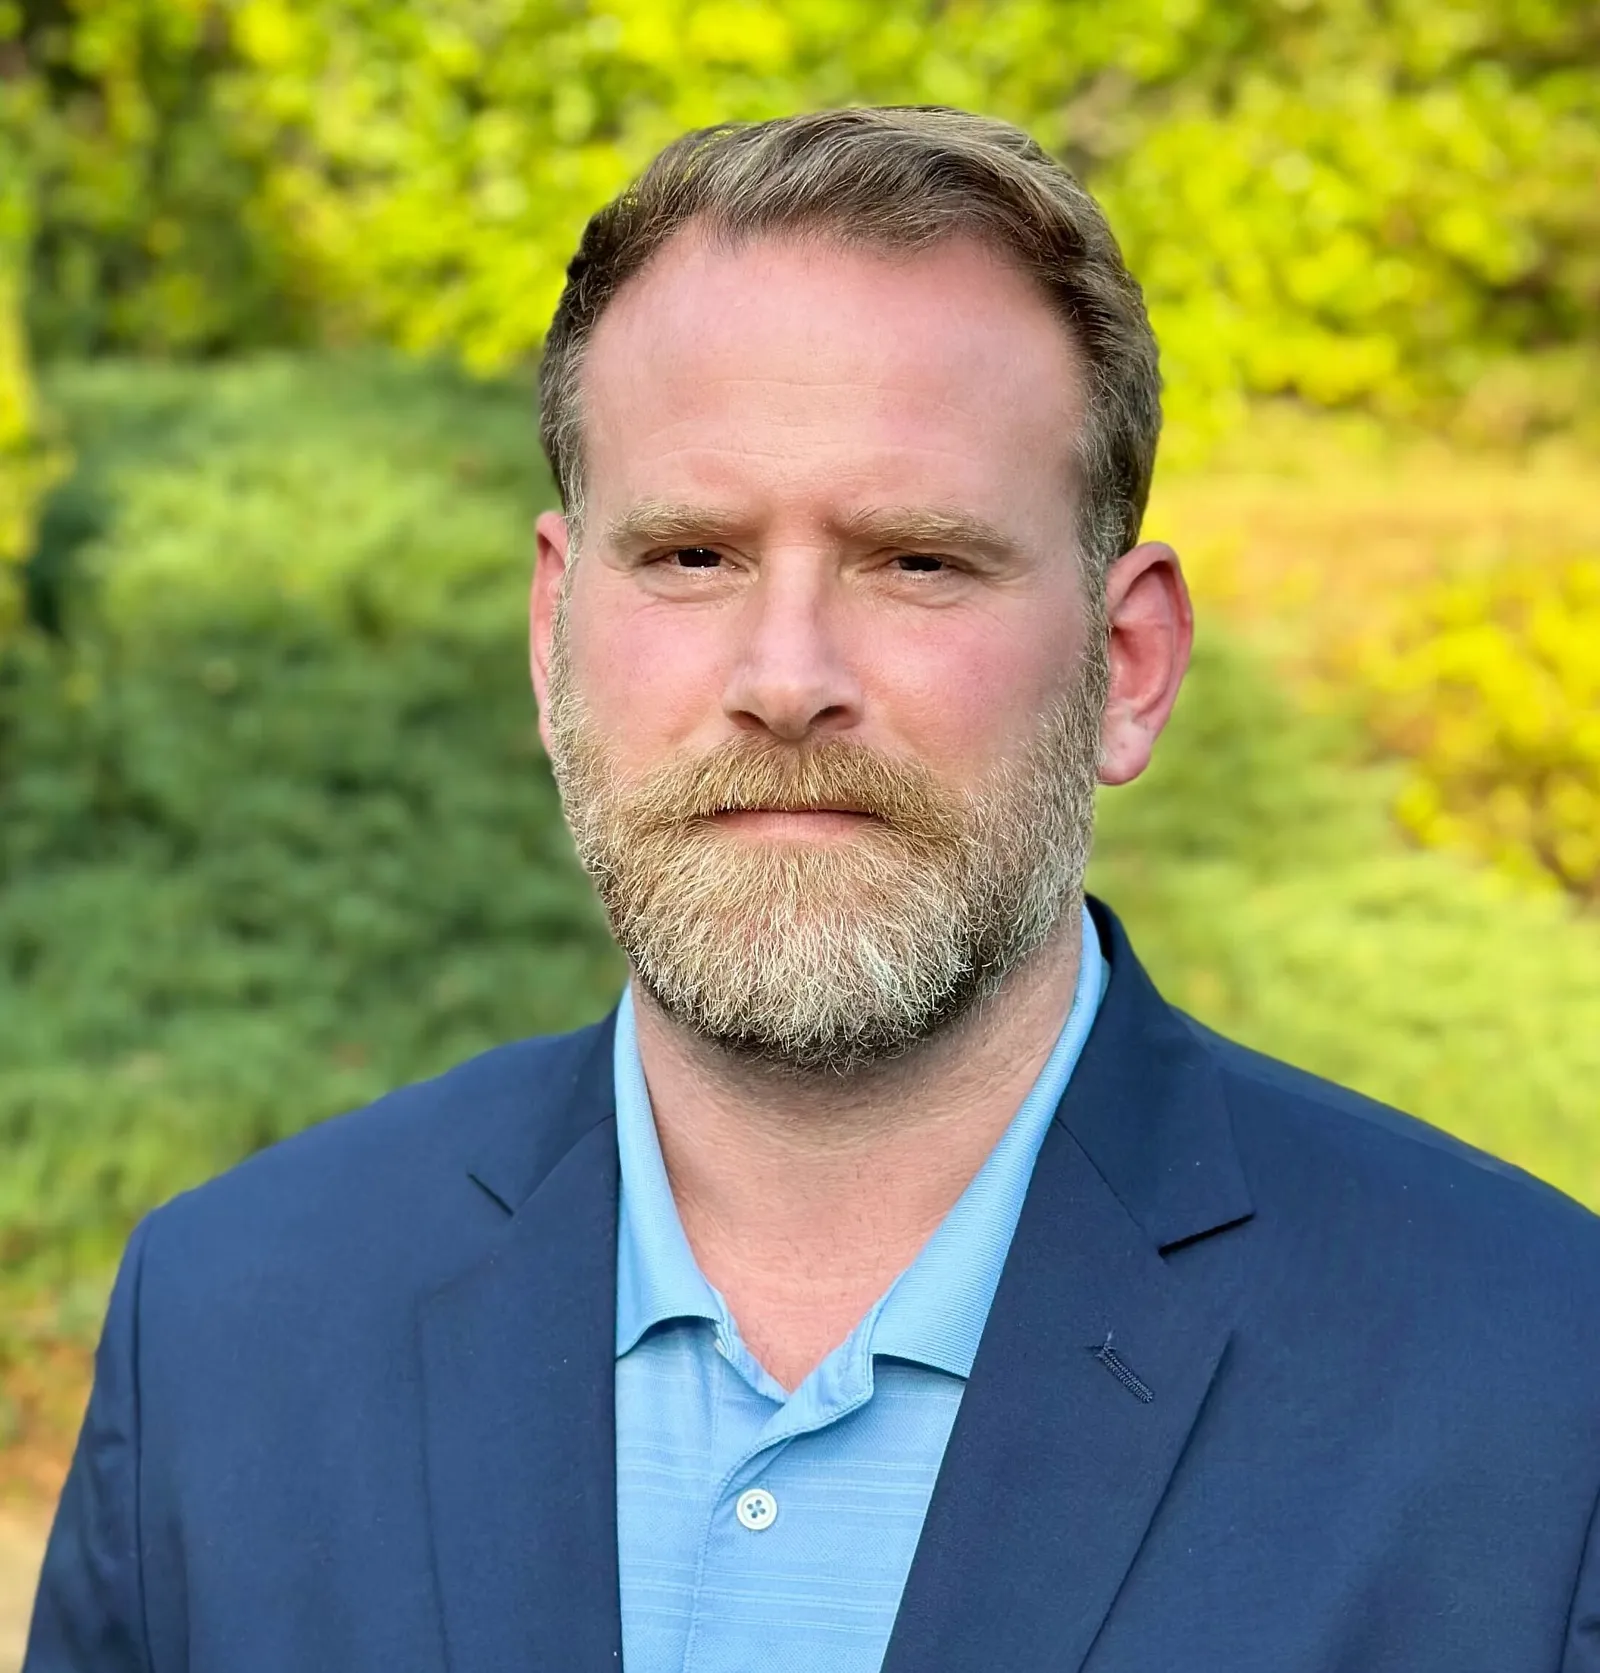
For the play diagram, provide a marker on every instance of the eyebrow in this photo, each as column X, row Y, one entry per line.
column 661, row 522
column 923, row 526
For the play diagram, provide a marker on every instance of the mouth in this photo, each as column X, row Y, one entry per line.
column 806, row 824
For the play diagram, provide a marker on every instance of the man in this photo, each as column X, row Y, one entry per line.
column 894, row 1280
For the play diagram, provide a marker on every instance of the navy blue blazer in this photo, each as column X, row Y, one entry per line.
column 353, row 1405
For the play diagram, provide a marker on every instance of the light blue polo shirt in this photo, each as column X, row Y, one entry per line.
column 765, row 1532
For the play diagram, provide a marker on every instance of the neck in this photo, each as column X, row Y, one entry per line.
column 803, row 1198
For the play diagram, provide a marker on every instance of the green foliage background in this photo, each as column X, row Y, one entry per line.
column 1381, row 200
column 274, row 829
column 276, row 802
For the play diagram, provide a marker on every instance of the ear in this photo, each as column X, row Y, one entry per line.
column 1151, row 623
column 550, row 565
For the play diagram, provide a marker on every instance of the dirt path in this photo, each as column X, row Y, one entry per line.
column 21, row 1546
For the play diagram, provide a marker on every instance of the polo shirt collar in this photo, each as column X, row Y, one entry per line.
column 657, row 1275
column 936, row 1310
column 934, row 1313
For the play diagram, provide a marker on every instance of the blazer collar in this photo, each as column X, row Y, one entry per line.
column 1148, row 1108
column 1143, row 1102
column 518, row 1393
column 1098, row 1354
column 542, row 1122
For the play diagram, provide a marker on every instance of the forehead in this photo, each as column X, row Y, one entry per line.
column 803, row 366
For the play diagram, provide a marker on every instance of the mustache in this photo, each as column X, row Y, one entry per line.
column 747, row 775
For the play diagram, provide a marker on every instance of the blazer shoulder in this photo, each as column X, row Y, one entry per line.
column 393, row 1170
column 1312, row 1136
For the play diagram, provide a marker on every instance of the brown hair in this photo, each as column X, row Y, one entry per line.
column 897, row 178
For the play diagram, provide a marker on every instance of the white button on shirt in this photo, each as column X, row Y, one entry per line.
column 756, row 1509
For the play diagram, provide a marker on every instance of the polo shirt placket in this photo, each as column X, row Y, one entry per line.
column 759, row 1529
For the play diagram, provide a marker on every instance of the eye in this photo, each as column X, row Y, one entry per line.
column 919, row 563
column 694, row 557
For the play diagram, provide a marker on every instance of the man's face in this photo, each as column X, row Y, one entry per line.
column 827, row 682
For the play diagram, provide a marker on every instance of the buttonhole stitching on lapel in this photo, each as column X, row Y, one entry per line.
column 1114, row 1363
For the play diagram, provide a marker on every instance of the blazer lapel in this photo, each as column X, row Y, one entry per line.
column 518, row 1375
column 1095, row 1361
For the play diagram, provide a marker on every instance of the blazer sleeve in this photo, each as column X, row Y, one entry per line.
column 89, row 1614
column 1583, row 1622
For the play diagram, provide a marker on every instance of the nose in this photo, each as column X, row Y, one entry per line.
column 790, row 677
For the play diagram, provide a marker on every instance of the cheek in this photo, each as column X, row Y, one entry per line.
column 649, row 674
column 964, row 688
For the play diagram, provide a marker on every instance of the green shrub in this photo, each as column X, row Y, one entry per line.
column 276, row 831
column 1384, row 204
column 155, row 233
column 27, row 463
column 1489, row 685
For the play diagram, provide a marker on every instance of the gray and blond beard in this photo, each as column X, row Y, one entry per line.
column 830, row 958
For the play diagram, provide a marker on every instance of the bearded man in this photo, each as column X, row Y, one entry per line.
column 894, row 1280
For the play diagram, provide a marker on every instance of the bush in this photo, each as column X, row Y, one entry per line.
column 277, row 834
column 16, row 435
column 26, row 463
column 154, row 233
column 1355, row 203
column 1489, row 684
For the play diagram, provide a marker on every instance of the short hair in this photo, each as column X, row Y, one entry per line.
column 898, row 179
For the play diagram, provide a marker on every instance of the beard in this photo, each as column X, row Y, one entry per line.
column 828, row 958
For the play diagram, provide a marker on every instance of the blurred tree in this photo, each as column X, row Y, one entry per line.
column 1387, row 202
column 152, row 233
column 27, row 464
column 1489, row 685
column 1392, row 204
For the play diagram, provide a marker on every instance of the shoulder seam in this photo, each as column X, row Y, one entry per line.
column 1318, row 1093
